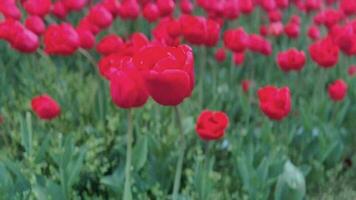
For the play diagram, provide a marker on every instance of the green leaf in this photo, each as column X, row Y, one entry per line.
column 141, row 152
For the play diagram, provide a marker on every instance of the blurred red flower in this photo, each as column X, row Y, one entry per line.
column 45, row 107
column 211, row 125
column 275, row 102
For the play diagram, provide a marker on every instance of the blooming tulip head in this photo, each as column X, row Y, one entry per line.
column 127, row 87
column 337, row 90
column 211, row 125
column 236, row 39
column 275, row 102
column 324, row 52
column 168, row 72
column 61, row 39
column 292, row 59
column 220, row 55
column 45, row 107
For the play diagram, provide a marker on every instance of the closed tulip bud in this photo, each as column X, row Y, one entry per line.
column 212, row 34
column 220, row 55
column 292, row 30
column 99, row 16
column 45, row 107
column 337, row 90
column 246, row 6
column 59, row 10
column 245, row 85
column 151, row 12
column 275, row 102
column 352, row 71
column 112, row 6
column 165, row 7
column 186, row 6
column 211, row 125
column 313, row 32
column 238, row 58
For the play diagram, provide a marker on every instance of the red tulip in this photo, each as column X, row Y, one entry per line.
column 127, row 87
column 37, row 7
column 246, row 6
column 168, row 72
column 112, row 6
column 313, row 32
column 45, row 107
column 292, row 59
column 212, row 34
column 348, row 7
column 100, row 16
column 151, row 12
column 25, row 41
column 337, row 90
column 75, row 5
column 220, row 55
column 236, row 39
column 231, row 9
column 186, row 6
column 282, row 3
column 275, row 29
column 86, row 24
column 258, row 44
column 292, row 30
column 211, row 125
column 165, row 7
column 61, row 39
column 268, row 5
column 352, row 70
column 10, row 10
column 59, row 10
column 194, row 29
column 35, row 24
column 129, row 9
column 275, row 16
column 263, row 30
column 245, row 85
column 87, row 39
column 312, row 5
column 274, row 102
column 324, row 52
column 167, row 31
column 109, row 44
column 238, row 58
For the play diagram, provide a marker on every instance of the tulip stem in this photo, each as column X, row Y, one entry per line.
column 202, row 50
column 127, row 192
column 179, row 166
column 90, row 58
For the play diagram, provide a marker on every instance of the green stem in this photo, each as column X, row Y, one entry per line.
column 90, row 58
column 202, row 52
column 179, row 166
column 127, row 191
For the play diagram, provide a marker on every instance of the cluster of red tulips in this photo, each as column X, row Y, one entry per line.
column 162, row 68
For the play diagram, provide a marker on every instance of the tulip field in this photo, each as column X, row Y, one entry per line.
column 178, row 99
